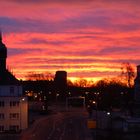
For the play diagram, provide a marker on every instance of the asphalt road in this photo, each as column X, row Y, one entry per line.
column 66, row 125
column 62, row 125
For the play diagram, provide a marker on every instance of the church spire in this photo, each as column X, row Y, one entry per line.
column 3, row 54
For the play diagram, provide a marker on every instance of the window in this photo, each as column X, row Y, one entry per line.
column 1, row 128
column 14, row 127
column 1, row 103
column 14, row 103
column 11, row 90
column 14, row 116
column 1, row 116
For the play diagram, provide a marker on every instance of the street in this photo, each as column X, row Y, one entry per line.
column 63, row 125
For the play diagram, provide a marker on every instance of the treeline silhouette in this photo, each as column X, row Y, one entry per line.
column 114, row 92
column 111, row 92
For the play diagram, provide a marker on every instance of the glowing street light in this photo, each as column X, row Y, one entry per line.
column 57, row 94
column 22, row 99
column 108, row 113
column 94, row 102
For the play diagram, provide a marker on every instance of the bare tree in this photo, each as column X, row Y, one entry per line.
column 69, row 82
column 83, row 83
column 127, row 71
column 39, row 76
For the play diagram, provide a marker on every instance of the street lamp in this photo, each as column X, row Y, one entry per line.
column 69, row 93
column 108, row 113
column 96, row 107
column 94, row 102
column 57, row 95
column 21, row 100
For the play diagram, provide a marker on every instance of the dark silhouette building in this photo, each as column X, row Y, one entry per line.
column 5, row 76
column 61, row 78
column 60, row 82
column 3, row 54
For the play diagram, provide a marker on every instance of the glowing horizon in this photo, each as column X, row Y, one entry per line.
column 88, row 39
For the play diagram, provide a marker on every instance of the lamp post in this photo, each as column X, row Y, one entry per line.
column 57, row 95
column 96, row 108
column 21, row 100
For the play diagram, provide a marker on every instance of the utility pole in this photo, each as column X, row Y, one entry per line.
column 96, row 108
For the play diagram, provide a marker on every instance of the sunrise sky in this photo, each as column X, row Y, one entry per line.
column 86, row 38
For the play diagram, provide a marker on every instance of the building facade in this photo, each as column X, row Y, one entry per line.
column 13, row 113
column 13, row 105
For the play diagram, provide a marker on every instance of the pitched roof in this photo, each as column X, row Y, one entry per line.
column 7, row 78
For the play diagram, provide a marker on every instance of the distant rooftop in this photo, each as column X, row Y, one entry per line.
column 7, row 78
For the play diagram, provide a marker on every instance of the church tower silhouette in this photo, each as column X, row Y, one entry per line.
column 3, row 54
column 6, row 77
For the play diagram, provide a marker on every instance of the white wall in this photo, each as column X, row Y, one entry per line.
column 21, row 109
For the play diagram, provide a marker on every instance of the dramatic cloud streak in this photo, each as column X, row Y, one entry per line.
column 87, row 38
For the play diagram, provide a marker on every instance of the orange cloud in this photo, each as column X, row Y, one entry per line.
column 88, row 39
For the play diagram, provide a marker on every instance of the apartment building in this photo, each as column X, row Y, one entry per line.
column 13, row 105
column 13, row 113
